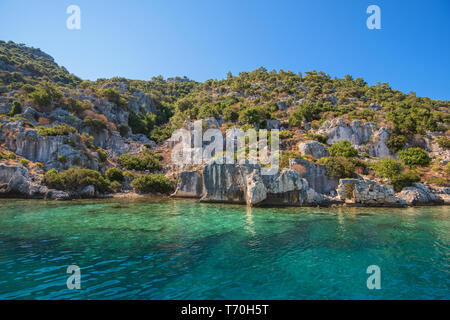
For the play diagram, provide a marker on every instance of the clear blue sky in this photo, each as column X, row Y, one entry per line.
column 206, row 39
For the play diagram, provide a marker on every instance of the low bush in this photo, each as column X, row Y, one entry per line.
column 102, row 155
column 339, row 167
column 443, row 142
column 396, row 142
column 413, row 157
column 317, row 137
column 75, row 179
column 404, row 179
column 286, row 134
column 16, row 109
column 114, row 174
column 388, row 168
column 95, row 124
column 24, row 162
column 58, row 130
column 147, row 160
column 115, row 186
column 343, row 149
column 152, row 183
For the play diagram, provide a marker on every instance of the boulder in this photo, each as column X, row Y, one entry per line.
column 419, row 194
column 88, row 192
column 313, row 148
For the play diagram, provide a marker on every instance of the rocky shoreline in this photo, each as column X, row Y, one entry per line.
column 244, row 184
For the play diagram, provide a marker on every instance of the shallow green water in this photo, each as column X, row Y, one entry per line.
column 181, row 249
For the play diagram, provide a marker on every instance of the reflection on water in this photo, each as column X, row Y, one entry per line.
column 182, row 249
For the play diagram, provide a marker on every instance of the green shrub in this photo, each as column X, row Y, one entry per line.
column 343, row 149
column 102, row 155
column 388, row 168
column 443, row 142
column 16, row 109
column 317, row 137
column 447, row 168
column 439, row 181
column 286, row 155
column 339, row 167
column 75, row 179
column 62, row 159
column 396, row 142
column 96, row 124
column 24, row 162
column 115, row 186
column 58, row 130
column 113, row 95
column 11, row 156
column 45, row 94
column 152, row 183
column 124, row 130
column 75, row 106
column 114, row 174
column 147, row 160
column 286, row 134
column 404, row 179
column 413, row 157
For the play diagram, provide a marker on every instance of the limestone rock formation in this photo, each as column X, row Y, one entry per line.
column 243, row 183
column 367, row 192
column 358, row 133
column 313, row 148
column 15, row 181
column 419, row 194
column 316, row 175
column 378, row 147
column 190, row 185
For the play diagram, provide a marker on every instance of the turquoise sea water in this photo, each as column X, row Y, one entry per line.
column 181, row 249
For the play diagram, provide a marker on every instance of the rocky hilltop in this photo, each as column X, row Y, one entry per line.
column 342, row 141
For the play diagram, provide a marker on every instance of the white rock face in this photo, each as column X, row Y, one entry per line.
column 378, row 147
column 313, row 148
column 358, row 133
column 190, row 185
column 256, row 190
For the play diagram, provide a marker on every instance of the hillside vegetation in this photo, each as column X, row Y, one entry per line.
column 101, row 124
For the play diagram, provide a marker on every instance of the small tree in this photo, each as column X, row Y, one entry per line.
column 413, row 157
column 388, row 168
